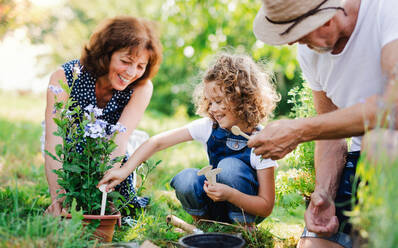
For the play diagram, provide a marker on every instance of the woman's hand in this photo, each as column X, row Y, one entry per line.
column 55, row 209
column 113, row 177
column 218, row 191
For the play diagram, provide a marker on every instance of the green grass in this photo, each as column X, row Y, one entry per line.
column 22, row 171
column 375, row 216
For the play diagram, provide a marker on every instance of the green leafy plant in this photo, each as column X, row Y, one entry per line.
column 144, row 170
column 85, row 152
column 296, row 184
column 375, row 215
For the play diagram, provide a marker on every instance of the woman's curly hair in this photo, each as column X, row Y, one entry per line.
column 247, row 88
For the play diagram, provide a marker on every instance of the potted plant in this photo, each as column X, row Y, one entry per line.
column 85, row 155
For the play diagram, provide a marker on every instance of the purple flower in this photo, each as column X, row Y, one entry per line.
column 97, row 112
column 101, row 123
column 88, row 116
column 118, row 127
column 91, row 109
column 95, row 130
column 69, row 114
column 55, row 89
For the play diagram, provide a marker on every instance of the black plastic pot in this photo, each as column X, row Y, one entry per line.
column 212, row 240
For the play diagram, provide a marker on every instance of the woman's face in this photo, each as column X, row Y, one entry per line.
column 126, row 66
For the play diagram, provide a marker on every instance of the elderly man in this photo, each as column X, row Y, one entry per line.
column 348, row 52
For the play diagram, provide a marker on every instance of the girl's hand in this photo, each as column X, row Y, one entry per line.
column 218, row 191
column 113, row 177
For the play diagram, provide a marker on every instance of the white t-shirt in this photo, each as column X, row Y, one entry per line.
column 201, row 129
column 353, row 75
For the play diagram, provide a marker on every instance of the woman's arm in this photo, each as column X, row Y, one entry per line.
column 259, row 205
column 132, row 115
column 51, row 140
column 156, row 143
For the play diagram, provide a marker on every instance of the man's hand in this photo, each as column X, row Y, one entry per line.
column 320, row 216
column 277, row 139
column 217, row 192
column 113, row 177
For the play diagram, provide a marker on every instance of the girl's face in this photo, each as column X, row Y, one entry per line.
column 125, row 67
column 218, row 108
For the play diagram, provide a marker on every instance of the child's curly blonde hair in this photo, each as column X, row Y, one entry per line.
column 248, row 92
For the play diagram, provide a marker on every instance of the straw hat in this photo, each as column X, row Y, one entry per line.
column 282, row 21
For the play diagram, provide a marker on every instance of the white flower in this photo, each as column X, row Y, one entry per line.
column 76, row 69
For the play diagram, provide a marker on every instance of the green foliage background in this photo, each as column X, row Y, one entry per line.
column 204, row 27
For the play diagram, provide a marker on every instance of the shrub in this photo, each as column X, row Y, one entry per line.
column 375, row 215
column 297, row 182
column 85, row 153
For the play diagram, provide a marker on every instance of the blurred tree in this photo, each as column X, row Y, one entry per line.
column 11, row 15
column 191, row 31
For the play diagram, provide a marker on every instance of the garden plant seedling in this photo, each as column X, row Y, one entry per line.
column 210, row 174
column 236, row 131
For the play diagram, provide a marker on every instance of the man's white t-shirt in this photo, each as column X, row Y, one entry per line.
column 201, row 129
column 355, row 74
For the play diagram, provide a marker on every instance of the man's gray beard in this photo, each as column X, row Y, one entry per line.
column 321, row 49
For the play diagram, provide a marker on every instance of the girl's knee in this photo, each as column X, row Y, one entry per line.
column 237, row 174
column 187, row 181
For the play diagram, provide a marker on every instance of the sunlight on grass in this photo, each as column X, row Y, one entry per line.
column 22, row 106
column 286, row 224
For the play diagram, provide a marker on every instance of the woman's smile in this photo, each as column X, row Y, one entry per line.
column 125, row 80
column 126, row 67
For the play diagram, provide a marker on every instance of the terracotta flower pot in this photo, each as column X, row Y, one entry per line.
column 105, row 230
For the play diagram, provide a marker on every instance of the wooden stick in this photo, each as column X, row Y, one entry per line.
column 103, row 201
column 177, row 222
column 212, row 175
column 204, row 170
column 236, row 131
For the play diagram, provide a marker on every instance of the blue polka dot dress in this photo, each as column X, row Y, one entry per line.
column 83, row 92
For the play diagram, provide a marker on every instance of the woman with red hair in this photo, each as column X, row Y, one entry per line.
column 114, row 74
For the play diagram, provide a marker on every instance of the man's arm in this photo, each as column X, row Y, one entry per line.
column 329, row 154
column 329, row 163
column 352, row 121
column 280, row 137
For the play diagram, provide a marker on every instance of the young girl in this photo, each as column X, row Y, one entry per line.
column 234, row 91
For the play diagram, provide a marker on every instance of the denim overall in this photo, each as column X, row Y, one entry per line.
column 230, row 153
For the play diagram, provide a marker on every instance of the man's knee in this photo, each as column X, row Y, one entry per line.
column 317, row 243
